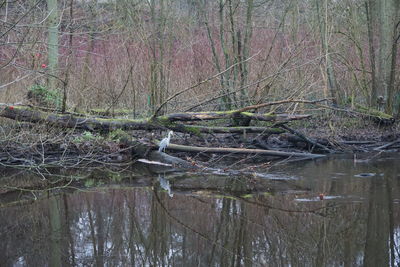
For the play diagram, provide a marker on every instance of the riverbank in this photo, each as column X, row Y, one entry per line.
column 29, row 145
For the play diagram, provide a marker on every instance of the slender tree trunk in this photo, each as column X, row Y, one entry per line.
column 227, row 100
column 158, row 83
column 384, row 51
column 246, row 48
column 52, row 43
column 324, row 33
column 392, row 76
column 70, row 53
column 369, row 5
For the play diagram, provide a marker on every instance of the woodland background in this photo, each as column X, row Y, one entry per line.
column 133, row 54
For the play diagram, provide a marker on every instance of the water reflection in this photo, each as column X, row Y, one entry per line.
column 145, row 227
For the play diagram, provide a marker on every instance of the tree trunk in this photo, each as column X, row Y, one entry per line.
column 322, row 19
column 369, row 7
column 244, row 67
column 52, row 43
column 382, row 19
column 157, row 46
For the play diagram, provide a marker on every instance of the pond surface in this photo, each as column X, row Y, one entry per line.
column 336, row 212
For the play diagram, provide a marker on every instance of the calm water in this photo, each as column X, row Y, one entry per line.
column 216, row 220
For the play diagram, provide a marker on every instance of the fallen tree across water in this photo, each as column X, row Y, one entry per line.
column 274, row 153
column 240, row 133
column 91, row 123
column 187, row 123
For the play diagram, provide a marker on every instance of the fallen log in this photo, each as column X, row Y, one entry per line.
column 280, row 102
column 376, row 115
column 365, row 112
column 383, row 147
column 241, row 151
column 28, row 114
column 221, row 129
column 203, row 116
column 144, row 147
column 22, row 113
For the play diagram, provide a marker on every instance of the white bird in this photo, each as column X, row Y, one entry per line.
column 165, row 142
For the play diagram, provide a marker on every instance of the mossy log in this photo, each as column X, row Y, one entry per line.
column 90, row 123
column 145, row 149
column 198, row 129
column 364, row 112
column 376, row 115
column 215, row 115
column 27, row 114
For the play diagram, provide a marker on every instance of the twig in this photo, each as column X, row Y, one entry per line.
column 387, row 145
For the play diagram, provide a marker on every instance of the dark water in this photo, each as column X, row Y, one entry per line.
column 207, row 222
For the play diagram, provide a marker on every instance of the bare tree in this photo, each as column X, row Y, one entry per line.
column 235, row 29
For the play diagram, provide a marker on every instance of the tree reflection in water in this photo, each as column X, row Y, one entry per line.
column 145, row 227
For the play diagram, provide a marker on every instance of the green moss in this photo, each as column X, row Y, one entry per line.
column 217, row 122
column 118, row 135
column 229, row 112
column 250, row 114
column 43, row 96
column 116, row 177
column 193, row 130
column 247, row 114
column 272, row 113
column 106, row 112
column 163, row 120
column 89, row 182
column 120, row 120
column 276, row 130
column 87, row 137
column 373, row 112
